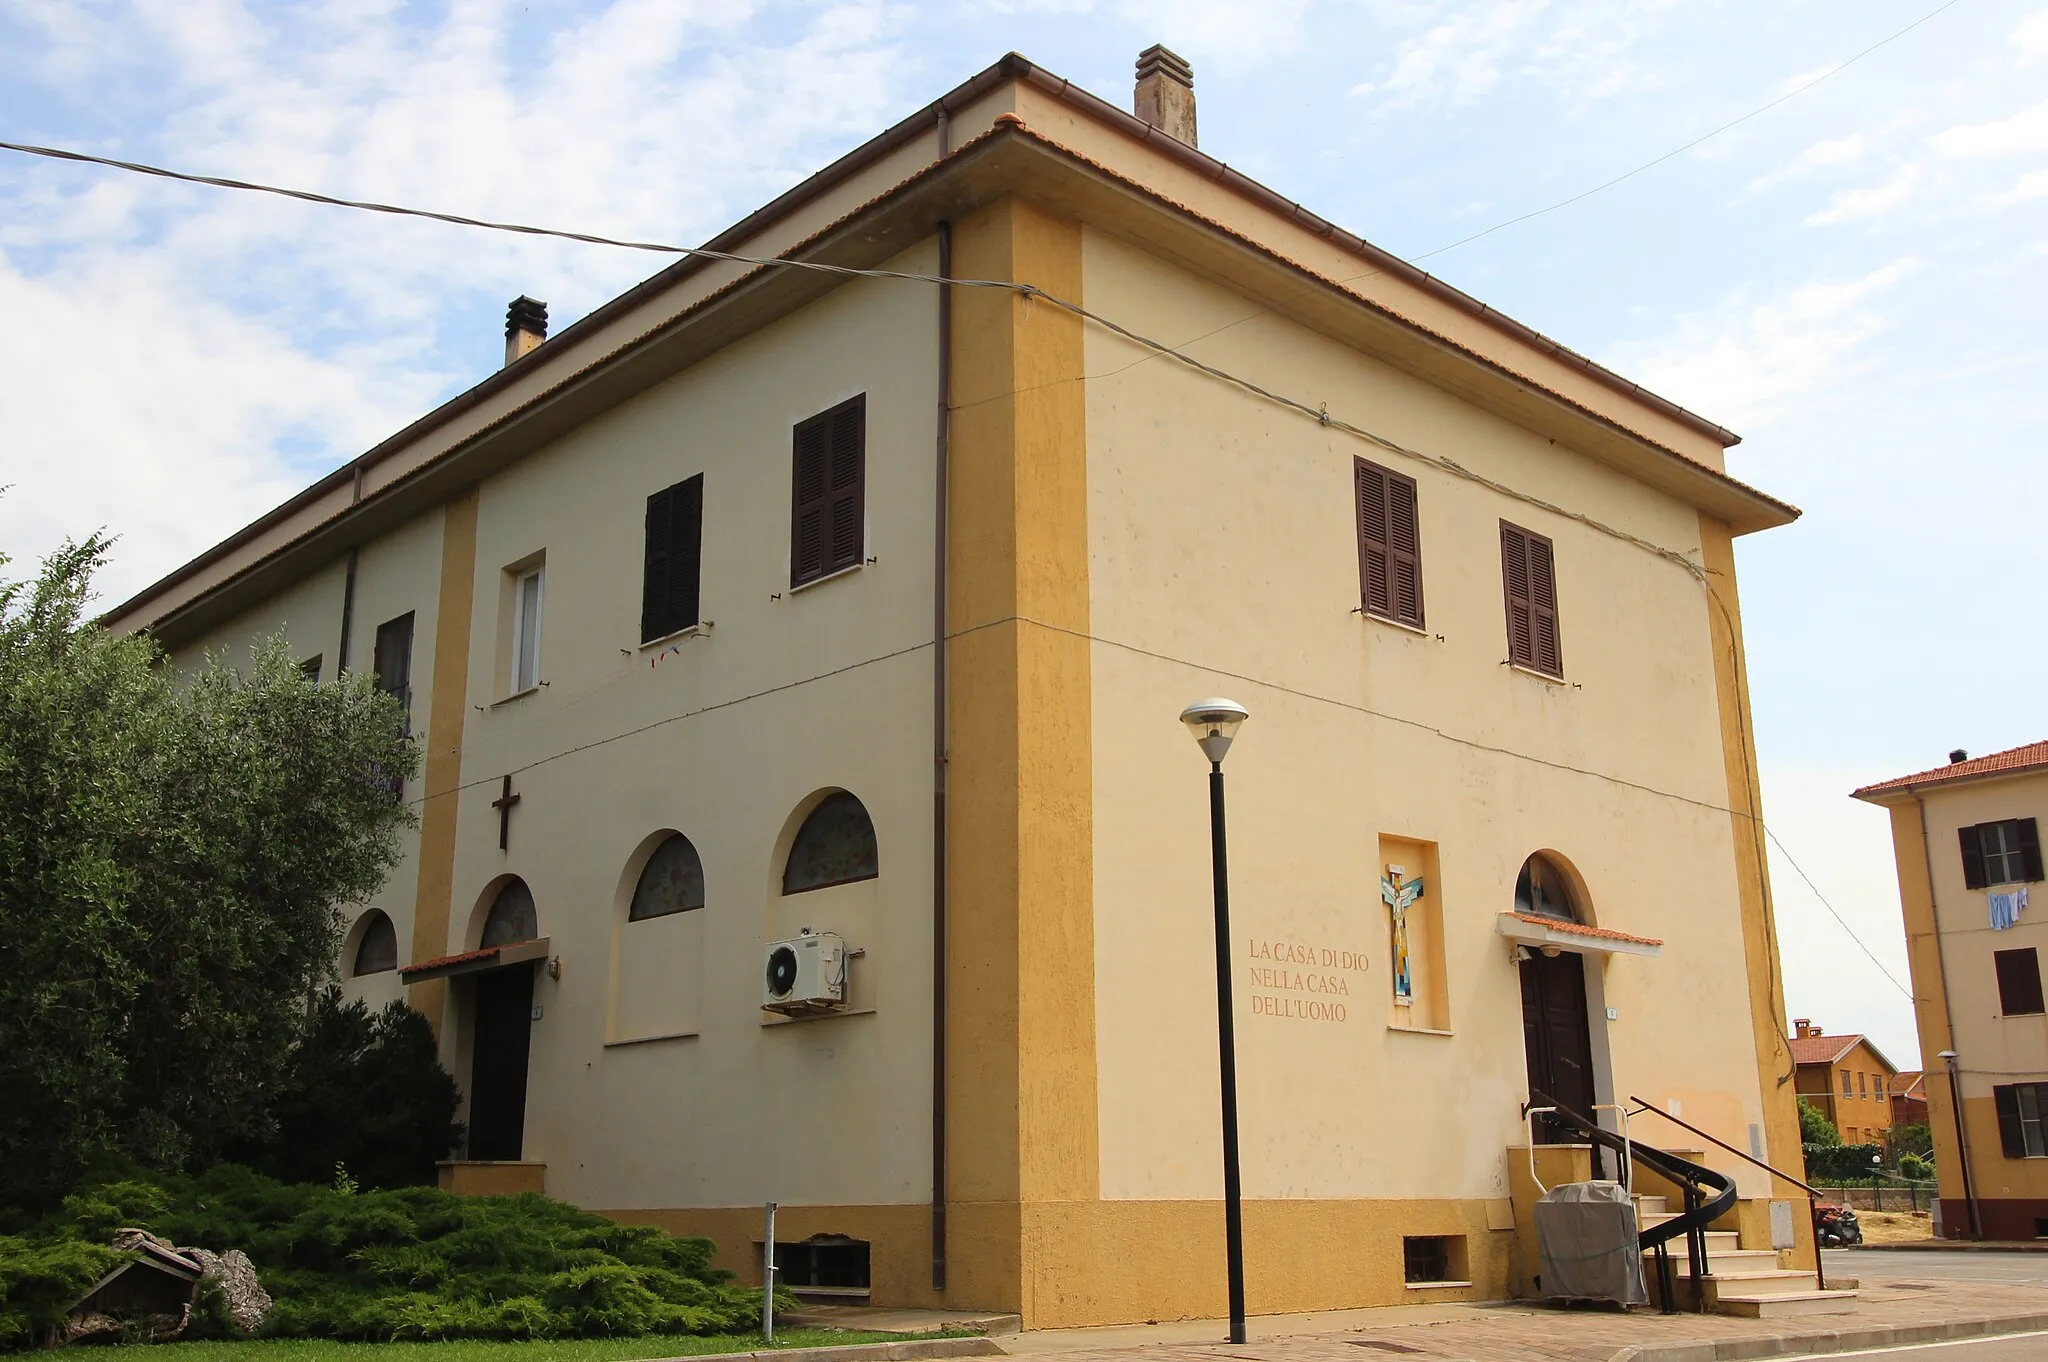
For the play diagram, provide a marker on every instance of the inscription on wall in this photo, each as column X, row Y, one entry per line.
column 1301, row 980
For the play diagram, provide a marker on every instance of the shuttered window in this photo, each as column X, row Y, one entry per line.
column 2021, row 1107
column 1529, row 577
column 673, row 564
column 1389, row 543
column 829, row 492
column 2006, row 852
column 2019, row 982
column 392, row 662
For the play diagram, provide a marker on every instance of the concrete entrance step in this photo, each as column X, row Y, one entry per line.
column 1726, row 1262
column 1722, row 1285
column 1785, row 1304
column 1652, row 1205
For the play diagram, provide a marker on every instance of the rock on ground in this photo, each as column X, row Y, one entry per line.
column 247, row 1302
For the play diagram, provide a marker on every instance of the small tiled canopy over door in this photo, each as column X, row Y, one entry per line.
column 675, row 533
column 1389, row 543
column 829, row 492
column 1529, row 578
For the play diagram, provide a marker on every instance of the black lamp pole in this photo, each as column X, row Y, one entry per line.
column 1226, row 1051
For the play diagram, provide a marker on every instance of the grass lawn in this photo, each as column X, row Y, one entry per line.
column 478, row 1350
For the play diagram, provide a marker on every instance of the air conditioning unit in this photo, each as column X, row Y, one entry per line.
column 806, row 975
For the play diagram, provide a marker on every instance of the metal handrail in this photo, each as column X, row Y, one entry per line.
column 1813, row 1194
column 1628, row 1163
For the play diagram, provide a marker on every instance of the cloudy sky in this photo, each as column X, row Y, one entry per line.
column 1854, row 279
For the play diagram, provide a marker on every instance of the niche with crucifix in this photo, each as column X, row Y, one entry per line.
column 1411, row 905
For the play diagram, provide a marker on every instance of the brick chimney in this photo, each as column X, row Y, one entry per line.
column 526, row 326
column 1803, row 1027
column 1166, row 93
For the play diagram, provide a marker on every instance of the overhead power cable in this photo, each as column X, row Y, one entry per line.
column 1652, row 164
column 1787, row 854
column 1319, row 413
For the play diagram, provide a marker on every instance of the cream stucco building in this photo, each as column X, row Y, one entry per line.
column 1966, row 837
column 885, row 594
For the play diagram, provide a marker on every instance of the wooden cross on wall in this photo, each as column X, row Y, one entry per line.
column 503, row 804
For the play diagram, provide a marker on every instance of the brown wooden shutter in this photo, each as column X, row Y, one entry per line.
column 849, row 480
column 2030, row 849
column 1514, row 572
column 1389, row 543
column 810, row 502
column 829, row 492
column 2010, row 1135
column 673, row 564
column 1529, row 582
column 1404, row 543
column 1375, row 557
column 2019, row 982
column 1973, row 858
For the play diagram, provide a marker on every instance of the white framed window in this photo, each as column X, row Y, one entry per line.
column 526, row 620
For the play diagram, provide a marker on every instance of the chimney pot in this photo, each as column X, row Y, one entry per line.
column 1957, row 755
column 1803, row 1027
column 526, row 326
column 1165, row 96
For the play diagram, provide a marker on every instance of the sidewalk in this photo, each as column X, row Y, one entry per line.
column 1956, row 1246
column 1893, row 1311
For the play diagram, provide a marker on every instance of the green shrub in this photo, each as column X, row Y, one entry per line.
column 39, row 1282
column 1842, row 1162
column 411, row 1262
column 364, row 1103
column 1814, row 1126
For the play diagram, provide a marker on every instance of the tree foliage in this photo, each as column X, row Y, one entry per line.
column 175, row 847
column 364, row 1092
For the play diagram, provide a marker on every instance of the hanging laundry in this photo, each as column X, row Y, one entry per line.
column 2006, row 907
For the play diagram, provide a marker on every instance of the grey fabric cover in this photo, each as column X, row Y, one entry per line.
column 1587, row 1235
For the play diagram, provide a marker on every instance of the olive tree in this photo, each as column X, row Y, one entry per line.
column 175, row 852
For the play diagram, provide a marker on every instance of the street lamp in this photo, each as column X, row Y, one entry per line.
column 1214, row 722
column 1955, row 1102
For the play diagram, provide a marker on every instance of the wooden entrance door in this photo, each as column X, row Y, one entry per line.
column 497, row 1065
column 1557, row 1036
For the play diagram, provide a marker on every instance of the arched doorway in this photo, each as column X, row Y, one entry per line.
column 502, row 1031
column 1557, row 1028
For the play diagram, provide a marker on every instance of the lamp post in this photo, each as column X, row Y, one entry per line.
column 1955, row 1102
column 1213, row 723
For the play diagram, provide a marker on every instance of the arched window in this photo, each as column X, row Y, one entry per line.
column 1543, row 890
column 512, row 917
column 377, row 948
column 836, row 845
column 673, row 881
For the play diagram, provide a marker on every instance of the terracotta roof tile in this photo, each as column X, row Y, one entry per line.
column 458, row 958
column 1581, row 929
column 1821, row 1049
column 2013, row 759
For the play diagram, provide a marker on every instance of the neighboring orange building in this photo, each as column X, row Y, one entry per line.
column 1848, row 1078
column 1909, row 1098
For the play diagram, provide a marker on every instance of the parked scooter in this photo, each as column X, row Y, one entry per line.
column 1836, row 1226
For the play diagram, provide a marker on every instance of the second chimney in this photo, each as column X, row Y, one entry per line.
column 526, row 326
column 1166, row 93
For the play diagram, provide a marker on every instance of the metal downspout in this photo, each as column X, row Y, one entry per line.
column 940, row 546
column 1955, row 1077
column 348, row 614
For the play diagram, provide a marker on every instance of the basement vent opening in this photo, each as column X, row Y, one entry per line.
column 1433, row 1260
column 825, row 1266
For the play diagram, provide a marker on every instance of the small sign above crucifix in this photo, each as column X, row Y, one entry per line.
column 503, row 804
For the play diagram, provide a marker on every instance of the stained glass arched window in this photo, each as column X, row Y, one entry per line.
column 836, row 845
column 672, row 882
column 377, row 947
column 1543, row 889
column 512, row 917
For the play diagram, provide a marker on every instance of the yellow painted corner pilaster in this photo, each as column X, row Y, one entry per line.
column 446, row 710
column 1022, row 1078
column 1759, row 926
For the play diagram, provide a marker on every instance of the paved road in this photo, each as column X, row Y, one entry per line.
column 2017, row 1348
column 1932, row 1265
